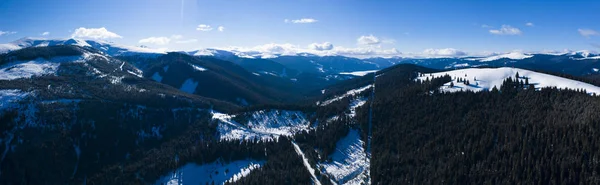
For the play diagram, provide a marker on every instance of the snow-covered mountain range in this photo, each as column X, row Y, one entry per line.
column 108, row 48
column 336, row 66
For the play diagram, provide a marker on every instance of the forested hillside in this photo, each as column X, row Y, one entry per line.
column 513, row 134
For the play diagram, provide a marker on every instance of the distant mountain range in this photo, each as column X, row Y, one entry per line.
column 328, row 69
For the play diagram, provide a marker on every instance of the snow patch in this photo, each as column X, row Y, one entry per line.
column 197, row 68
column 116, row 79
column 268, row 73
column 244, row 172
column 217, row 172
column 137, row 73
column 355, row 104
column 358, row 73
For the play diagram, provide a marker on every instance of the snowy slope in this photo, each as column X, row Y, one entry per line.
column 347, row 94
column 486, row 78
column 263, row 125
column 108, row 48
column 37, row 67
column 349, row 163
column 5, row 48
column 8, row 97
column 211, row 172
column 355, row 104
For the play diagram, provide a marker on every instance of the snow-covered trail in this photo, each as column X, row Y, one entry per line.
column 306, row 163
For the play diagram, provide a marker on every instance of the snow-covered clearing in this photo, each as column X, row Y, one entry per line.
column 217, row 172
column 262, row 125
column 347, row 94
column 36, row 67
column 349, row 163
column 486, row 78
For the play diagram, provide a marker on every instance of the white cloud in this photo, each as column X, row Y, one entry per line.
column 176, row 37
column 506, row 30
column 530, row 24
column 204, row 27
column 485, row 26
column 186, row 41
column 45, row 33
column 301, row 21
column 446, row 52
column 156, row 40
column 321, row 46
column 588, row 32
column 221, row 28
column 368, row 40
column 7, row 32
column 94, row 33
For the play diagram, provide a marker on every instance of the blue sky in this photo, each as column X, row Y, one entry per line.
column 407, row 26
